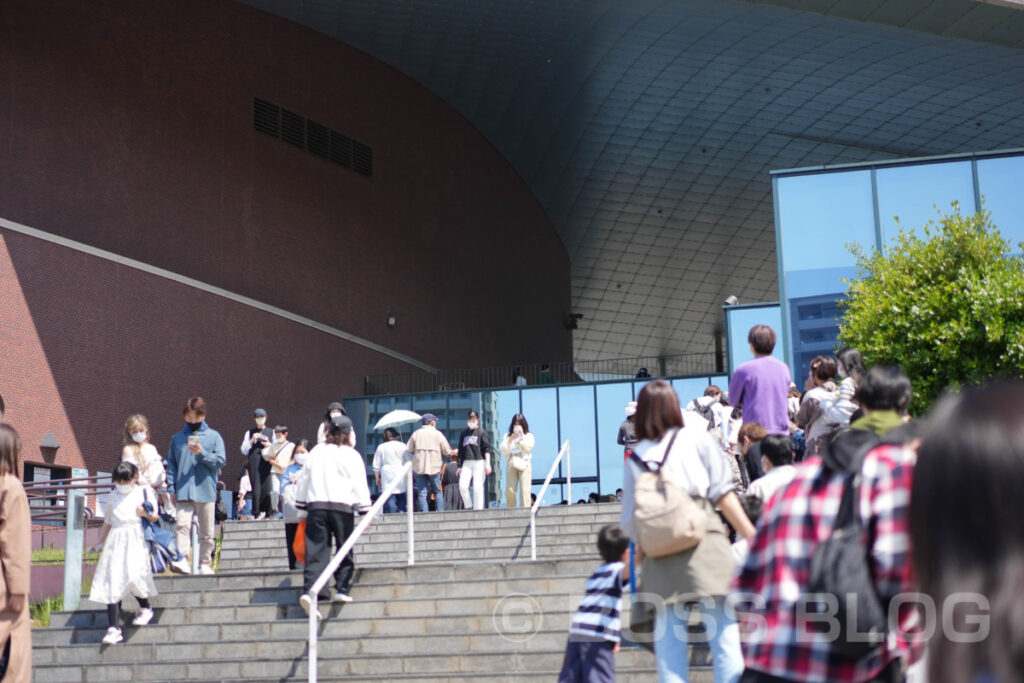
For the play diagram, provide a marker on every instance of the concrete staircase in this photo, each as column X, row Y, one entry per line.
column 473, row 605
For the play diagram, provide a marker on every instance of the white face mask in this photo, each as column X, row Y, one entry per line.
column 301, row 458
column 279, row 439
column 139, row 437
column 260, row 421
column 472, row 425
column 335, row 413
column 124, row 489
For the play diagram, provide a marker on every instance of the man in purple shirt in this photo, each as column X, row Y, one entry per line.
column 761, row 386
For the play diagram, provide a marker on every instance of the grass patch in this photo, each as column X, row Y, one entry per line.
column 40, row 611
column 53, row 555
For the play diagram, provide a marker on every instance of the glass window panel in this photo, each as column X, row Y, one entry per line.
column 740, row 322
column 917, row 194
column 540, row 407
column 576, row 412
column 819, row 214
column 1000, row 181
column 611, row 405
column 500, row 408
column 638, row 386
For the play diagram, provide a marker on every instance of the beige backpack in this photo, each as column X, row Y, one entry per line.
column 668, row 520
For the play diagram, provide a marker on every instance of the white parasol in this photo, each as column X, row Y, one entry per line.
column 396, row 418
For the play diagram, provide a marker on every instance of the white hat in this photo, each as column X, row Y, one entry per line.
column 631, row 409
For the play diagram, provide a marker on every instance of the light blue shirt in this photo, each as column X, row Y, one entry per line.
column 194, row 477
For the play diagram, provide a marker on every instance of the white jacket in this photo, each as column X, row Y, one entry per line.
column 334, row 478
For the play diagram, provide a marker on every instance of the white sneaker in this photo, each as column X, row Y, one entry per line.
column 113, row 636
column 206, row 570
column 144, row 616
column 341, row 597
column 181, row 566
column 307, row 604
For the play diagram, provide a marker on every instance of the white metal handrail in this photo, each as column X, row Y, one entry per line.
column 544, row 489
column 346, row 548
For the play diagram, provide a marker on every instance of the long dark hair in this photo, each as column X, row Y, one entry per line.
column 657, row 410
column 965, row 518
column 518, row 418
column 10, row 450
column 853, row 364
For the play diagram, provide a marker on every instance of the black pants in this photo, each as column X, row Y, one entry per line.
column 259, row 475
column 321, row 525
column 114, row 610
column 289, row 537
column 892, row 673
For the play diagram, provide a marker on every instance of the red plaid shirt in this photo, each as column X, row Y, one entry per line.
column 775, row 575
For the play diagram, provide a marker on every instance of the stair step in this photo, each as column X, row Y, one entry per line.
column 179, row 662
column 375, row 557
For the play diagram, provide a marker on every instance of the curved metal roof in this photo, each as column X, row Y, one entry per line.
column 647, row 129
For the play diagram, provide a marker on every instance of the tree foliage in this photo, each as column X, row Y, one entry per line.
column 946, row 307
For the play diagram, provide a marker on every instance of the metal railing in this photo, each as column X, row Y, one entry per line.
column 346, row 548
column 564, row 450
column 47, row 499
column 543, row 374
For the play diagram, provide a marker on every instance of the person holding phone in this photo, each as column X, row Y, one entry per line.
column 256, row 441
column 194, row 460
column 517, row 446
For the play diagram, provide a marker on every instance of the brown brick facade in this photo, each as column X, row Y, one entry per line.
column 128, row 127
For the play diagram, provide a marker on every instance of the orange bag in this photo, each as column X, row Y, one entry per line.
column 299, row 545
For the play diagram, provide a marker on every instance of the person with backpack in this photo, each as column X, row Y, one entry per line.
column 671, row 486
column 709, row 407
column 859, row 487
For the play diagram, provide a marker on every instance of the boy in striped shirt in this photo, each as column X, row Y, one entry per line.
column 595, row 632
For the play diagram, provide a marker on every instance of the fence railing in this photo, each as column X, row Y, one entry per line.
column 48, row 499
column 564, row 450
column 544, row 374
column 346, row 548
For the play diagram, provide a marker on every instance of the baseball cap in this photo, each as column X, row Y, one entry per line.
column 428, row 418
column 259, row 413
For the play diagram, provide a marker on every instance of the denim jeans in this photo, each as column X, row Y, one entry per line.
column 423, row 481
column 671, row 642
column 395, row 502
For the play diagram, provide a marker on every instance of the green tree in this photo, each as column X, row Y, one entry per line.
column 946, row 307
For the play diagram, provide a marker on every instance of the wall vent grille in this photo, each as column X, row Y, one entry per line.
column 316, row 138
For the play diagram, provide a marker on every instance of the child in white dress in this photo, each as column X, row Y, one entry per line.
column 124, row 564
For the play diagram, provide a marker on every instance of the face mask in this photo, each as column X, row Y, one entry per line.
column 138, row 437
column 472, row 425
column 124, row 488
column 260, row 421
column 301, row 458
column 335, row 413
column 194, row 426
column 279, row 439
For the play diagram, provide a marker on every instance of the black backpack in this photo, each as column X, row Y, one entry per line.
column 707, row 412
column 839, row 567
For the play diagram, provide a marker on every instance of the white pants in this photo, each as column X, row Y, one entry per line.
column 204, row 511
column 275, row 491
column 477, row 471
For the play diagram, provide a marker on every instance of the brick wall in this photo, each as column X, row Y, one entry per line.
column 128, row 126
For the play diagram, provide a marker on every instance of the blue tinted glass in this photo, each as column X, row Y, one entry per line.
column 819, row 214
column 576, row 406
column 541, row 412
column 611, row 407
column 504, row 405
column 916, row 194
column 1001, row 181
column 740, row 322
